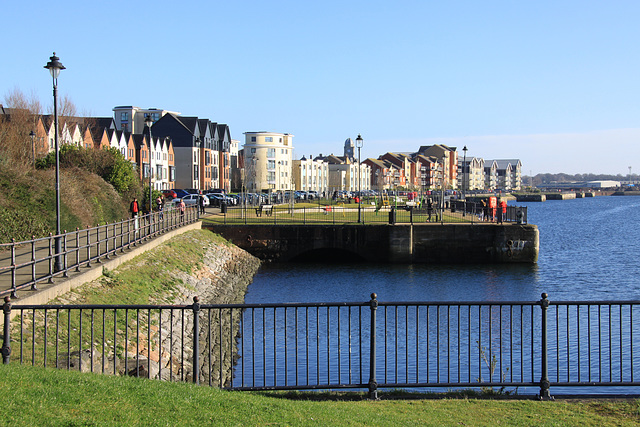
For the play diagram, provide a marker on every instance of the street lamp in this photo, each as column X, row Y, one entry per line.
column 32, row 134
column 149, row 121
column 464, row 181
column 54, row 66
column 359, row 143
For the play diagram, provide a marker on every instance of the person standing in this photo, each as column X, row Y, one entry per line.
column 182, row 207
column 134, row 208
column 160, row 205
column 503, row 211
column 201, row 203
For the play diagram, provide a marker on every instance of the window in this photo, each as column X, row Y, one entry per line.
column 268, row 139
column 253, row 151
column 253, row 139
column 124, row 117
column 271, row 152
column 271, row 164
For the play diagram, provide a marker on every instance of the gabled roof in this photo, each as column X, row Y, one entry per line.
column 503, row 164
column 139, row 140
column 334, row 160
column 203, row 125
column 188, row 122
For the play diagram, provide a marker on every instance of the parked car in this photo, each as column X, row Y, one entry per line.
column 216, row 199
column 191, row 199
column 169, row 194
column 180, row 193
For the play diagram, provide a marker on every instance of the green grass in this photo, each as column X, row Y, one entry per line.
column 146, row 279
column 314, row 214
column 35, row 396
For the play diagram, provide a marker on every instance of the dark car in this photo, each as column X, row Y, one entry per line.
column 180, row 193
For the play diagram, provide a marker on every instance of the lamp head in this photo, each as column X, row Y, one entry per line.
column 54, row 66
column 359, row 141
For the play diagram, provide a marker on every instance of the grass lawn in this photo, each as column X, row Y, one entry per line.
column 36, row 396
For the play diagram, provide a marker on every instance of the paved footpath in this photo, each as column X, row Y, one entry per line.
column 49, row 285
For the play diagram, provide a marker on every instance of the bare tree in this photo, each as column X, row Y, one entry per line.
column 20, row 118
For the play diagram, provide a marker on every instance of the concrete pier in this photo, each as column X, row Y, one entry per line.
column 400, row 243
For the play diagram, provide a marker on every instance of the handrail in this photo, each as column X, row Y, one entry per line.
column 31, row 262
column 368, row 345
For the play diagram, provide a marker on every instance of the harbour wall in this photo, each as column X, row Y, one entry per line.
column 399, row 243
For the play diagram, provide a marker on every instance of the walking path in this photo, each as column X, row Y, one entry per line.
column 31, row 265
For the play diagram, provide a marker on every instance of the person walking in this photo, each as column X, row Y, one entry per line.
column 430, row 209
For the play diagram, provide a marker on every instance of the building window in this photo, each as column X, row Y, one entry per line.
column 253, row 139
column 124, row 117
column 253, row 151
column 268, row 139
column 271, row 152
column 271, row 164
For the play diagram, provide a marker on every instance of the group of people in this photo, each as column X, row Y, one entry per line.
column 493, row 213
column 134, row 209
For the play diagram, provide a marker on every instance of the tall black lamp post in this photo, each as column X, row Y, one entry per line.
column 149, row 121
column 359, row 143
column 54, row 66
column 464, row 181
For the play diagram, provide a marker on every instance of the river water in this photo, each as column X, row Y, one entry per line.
column 589, row 251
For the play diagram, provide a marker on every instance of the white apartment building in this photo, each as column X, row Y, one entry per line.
column 268, row 161
column 131, row 119
column 311, row 175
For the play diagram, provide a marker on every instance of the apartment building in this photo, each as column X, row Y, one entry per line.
column 268, row 161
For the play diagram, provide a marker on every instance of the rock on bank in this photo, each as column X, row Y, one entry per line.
column 196, row 263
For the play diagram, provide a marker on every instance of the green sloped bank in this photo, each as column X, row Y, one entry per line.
column 196, row 263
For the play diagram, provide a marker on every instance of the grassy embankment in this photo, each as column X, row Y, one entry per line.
column 32, row 396
column 28, row 203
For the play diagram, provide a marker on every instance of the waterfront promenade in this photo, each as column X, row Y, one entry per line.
column 27, row 272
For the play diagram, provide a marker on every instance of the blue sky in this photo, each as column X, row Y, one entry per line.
column 554, row 83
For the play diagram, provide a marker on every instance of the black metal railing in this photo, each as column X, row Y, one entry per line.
column 368, row 345
column 23, row 265
column 455, row 212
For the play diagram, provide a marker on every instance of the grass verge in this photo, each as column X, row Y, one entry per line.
column 33, row 396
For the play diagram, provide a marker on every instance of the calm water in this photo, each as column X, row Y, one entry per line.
column 589, row 250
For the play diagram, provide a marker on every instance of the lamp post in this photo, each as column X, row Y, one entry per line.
column 32, row 134
column 359, row 143
column 149, row 121
column 54, row 66
column 464, row 181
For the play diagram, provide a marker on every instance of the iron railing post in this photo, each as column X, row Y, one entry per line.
column 373, row 384
column 544, row 380
column 6, row 342
column 13, row 268
column 196, row 340
column 77, row 249
column 64, row 256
